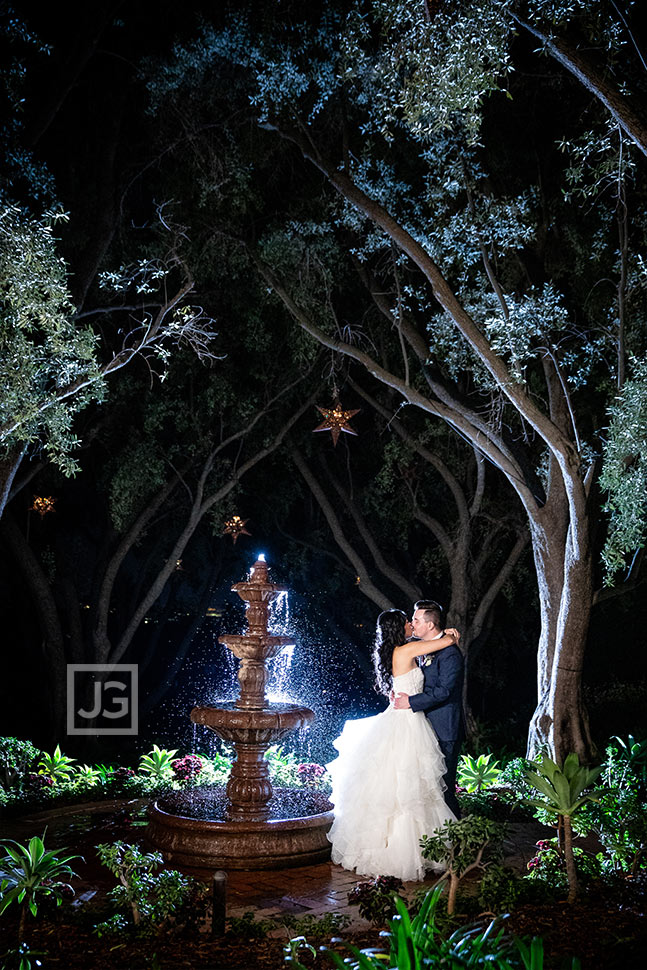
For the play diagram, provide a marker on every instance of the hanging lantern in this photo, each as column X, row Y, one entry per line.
column 235, row 527
column 42, row 504
column 335, row 420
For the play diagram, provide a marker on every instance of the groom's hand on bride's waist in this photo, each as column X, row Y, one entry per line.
column 401, row 702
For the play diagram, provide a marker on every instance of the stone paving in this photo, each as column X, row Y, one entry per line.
column 324, row 888
column 312, row 890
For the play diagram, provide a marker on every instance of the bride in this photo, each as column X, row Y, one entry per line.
column 387, row 786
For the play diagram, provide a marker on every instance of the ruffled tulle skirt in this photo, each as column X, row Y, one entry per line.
column 387, row 790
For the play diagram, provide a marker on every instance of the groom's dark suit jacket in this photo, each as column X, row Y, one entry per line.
column 442, row 695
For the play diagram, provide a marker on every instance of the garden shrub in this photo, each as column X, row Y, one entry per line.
column 549, row 866
column 247, row 927
column 17, row 758
column 419, row 942
column 148, row 895
column 462, row 846
column 375, row 898
column 187, row 769
column 619, row 815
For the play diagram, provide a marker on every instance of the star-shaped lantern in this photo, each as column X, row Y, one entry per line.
column 235, row 526
column 335, row 420
column 43, row 504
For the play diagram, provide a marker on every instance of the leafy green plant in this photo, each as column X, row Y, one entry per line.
column 283, row 765
column 461, row 846
column 513, row 776
column 17, row 758
column 417, row 943
column 375, row 898
column 315, row 927
column 150, row 897
column 215, row 769
column 565, row 791
column 21, row 957
column 549, row 865
column 247, row 927
column 499, row 804
column 87, row 775
column 499, row 890
column 105, row 773
column 56, row 766
column 158, row 763
column 291, row 950
column 626, row 763
column 31, row 873
column 475, row 774
column 619, row 819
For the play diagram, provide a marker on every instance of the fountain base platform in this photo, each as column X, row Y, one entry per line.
column 176, row 829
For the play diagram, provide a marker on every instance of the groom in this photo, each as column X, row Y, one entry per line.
column 441, row 697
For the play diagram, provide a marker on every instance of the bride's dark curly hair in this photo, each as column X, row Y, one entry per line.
column 390, row 634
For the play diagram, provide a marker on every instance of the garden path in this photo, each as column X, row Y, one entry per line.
column 269, row 895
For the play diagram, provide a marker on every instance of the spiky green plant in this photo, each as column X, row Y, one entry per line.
column 157, row 763
column 565, row 790
column 475, row 774
column 30, row 872
column 56, row 766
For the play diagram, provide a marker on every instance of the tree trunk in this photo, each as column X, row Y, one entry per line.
column 571, row 870
column 559, row 724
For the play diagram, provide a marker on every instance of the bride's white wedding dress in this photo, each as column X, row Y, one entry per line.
column 387, row 790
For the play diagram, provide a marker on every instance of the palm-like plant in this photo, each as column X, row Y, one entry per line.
column 30, row 872
column 86, row 773
column 158, row 763
column 565, row 791
column 56, row 766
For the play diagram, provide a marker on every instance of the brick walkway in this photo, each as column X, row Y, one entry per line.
column 313, row 890
column 324, row 888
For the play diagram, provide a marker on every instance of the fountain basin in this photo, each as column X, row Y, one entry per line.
column 205, row 843
column 266, row 725
column 261, row 647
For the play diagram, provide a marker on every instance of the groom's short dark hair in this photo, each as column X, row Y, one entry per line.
column 432, row 610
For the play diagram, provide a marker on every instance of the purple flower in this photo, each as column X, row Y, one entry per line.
column 310, row 773
column 187, row 768
column 120, row 774
column 39, row 781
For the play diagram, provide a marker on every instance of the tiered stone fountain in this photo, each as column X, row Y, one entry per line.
column 247, row 837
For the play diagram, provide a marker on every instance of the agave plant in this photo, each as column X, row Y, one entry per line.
column 30, row 872
column 158, row 763
column 565, row 790
column 56, row 766
column 477, row 773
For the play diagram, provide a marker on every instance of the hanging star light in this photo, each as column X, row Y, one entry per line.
column 235, row 527
column 335, row 420
column 43, row 504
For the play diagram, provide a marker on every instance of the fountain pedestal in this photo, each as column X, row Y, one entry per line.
column 247, row 838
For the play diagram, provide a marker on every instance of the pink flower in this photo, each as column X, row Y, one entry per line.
column 187, row 768
column 310, row 773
